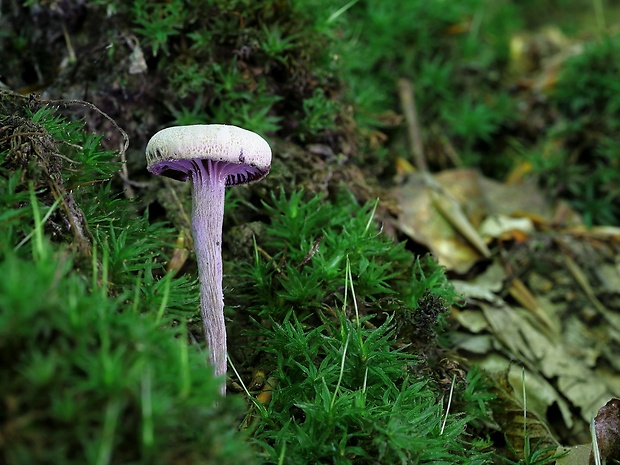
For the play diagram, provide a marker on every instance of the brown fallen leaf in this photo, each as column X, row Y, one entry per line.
column 420, row 219
column 607, row 428
column 446, row 212
column 452, row 211
column 519, row 291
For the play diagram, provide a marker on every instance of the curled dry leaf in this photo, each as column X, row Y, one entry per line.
column 447, row 213
column 607, row 428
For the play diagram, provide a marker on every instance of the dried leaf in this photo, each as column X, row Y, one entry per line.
column 578, row 455
column 421, row 221
column 445, row 212
column 607, row 428
column 501, row 226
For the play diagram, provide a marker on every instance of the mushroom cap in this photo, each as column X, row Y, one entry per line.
column 243, row 156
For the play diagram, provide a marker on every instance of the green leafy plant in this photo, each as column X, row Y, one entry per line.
column 157, row 22
column 94, row 369
column 319, row 114
column 344, row 394
column 587, row 97
column 227, row 76
column 91, row 383
column 316, row 240
column 274, row 43
column 330, row 306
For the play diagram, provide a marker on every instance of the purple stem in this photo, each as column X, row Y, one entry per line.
column 209, row 182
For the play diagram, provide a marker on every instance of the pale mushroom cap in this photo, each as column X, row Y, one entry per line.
column 171, row 151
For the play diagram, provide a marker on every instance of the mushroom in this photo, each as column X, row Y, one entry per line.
column 213, row 156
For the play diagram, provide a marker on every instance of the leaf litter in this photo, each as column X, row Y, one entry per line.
column 539, row 291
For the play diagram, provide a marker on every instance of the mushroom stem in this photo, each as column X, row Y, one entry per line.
column 208, row 195
column 213, row 156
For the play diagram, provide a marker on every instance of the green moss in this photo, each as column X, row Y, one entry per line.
column 345, row 323
column 84, row 380
column 93, row 371
column 588, row 101
column 345, row 395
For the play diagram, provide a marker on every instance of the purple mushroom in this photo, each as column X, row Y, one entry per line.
column 214, row 156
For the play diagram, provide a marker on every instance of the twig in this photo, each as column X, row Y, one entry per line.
column 124, row 174
column 94, row 107
column 407, row 101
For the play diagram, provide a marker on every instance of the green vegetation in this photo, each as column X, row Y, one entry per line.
column 344, row 324
column 459, row 58
column 314, row 71
column 246, row 63
column 313, row 242
column 347, row 391
column 120, row 381
column 86, row 379
column 88, row 375
column 587, row 98
column 344, row 395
